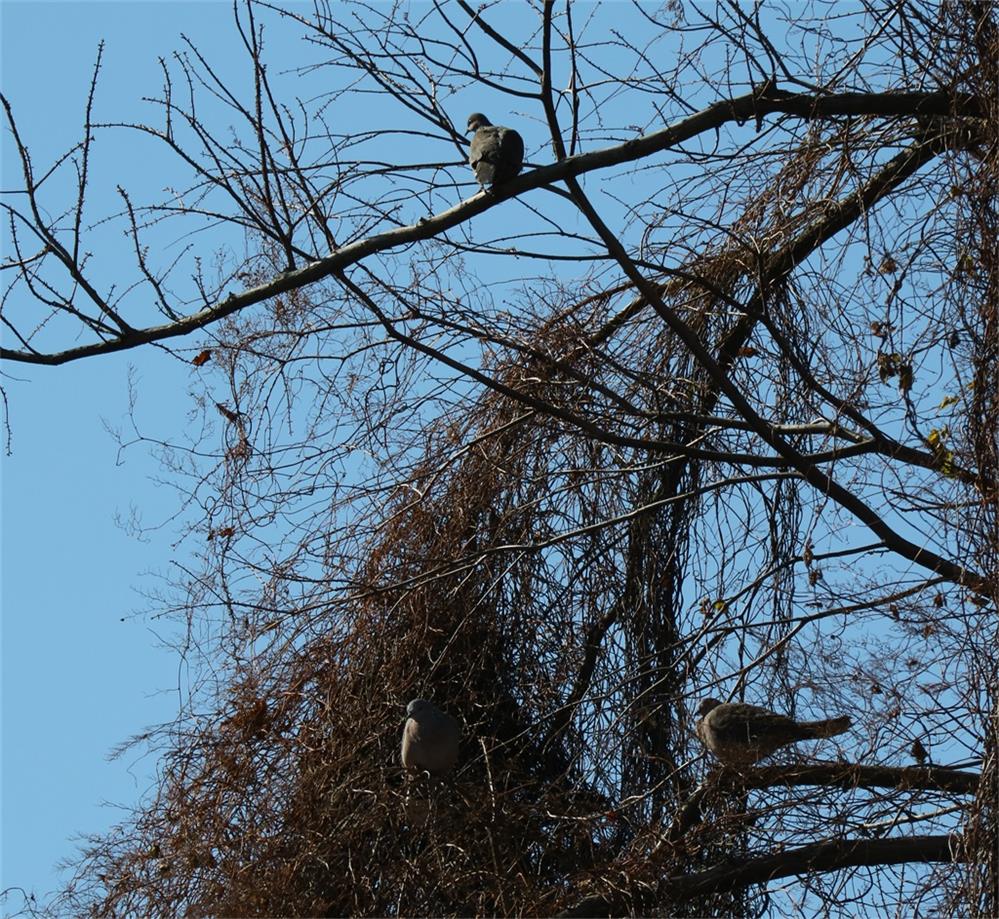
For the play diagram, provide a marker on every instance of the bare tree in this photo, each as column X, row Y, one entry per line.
column 719, row 416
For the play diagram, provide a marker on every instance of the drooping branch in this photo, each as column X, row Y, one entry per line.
column 717, row 373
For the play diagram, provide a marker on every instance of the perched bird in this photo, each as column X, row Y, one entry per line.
column 429, row 739
column 496, row 153
column 739, row 734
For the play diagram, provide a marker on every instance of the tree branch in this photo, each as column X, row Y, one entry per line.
column 828, row 855
column 834, row 775
column 740, row 109
column 716, row 370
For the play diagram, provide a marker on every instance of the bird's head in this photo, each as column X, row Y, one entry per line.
column 706, row 706
column 419, row 707
column 475, row 121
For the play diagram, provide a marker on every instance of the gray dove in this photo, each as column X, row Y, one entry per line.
column 739, row 734
column 496, row 153
column 429, row 739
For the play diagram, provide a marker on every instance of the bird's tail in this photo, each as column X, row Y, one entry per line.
column 827, row 728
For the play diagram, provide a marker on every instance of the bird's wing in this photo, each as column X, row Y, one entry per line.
column 410, row 744
column 513, row 148
column 744, row 723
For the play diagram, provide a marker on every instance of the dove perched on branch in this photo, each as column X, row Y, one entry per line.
column 739, row 734
column 496, row 153
column 429, row 739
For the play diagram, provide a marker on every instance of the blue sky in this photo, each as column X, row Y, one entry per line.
column 83, row 666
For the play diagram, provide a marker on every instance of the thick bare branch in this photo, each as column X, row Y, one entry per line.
column 830, row 855
column 738, row 109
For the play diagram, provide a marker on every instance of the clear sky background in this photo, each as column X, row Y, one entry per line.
column 83, row 663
